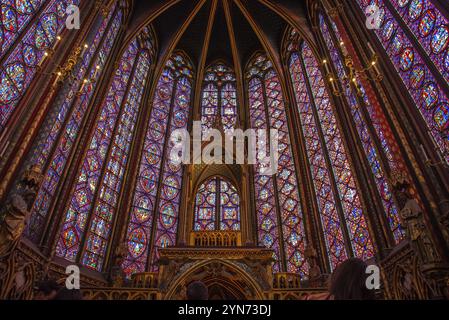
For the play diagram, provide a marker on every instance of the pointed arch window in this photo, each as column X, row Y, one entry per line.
column 356, row 104
column 20, row 59
column 217, row 206
column 57, row 137
column 342, row 220
column 279, row 214
column 415, row 69
column 153, row 220
column 91, row 211
column 219, row 98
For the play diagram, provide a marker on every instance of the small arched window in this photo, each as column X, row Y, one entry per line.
column 217, row 206
column 219, row 98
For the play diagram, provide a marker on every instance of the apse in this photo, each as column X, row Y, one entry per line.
column 356, row 91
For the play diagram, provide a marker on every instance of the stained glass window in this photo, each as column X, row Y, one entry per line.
column 335, row 186
column 153, row 218
column 14, row 17
column 104, row 162
column 217, row 206
column 322, row 176
column 279, row 214
column 219, row 98
column 19, row 67
column 429, row 27
column 430, row 98
column 55, row 141
column 362, row 127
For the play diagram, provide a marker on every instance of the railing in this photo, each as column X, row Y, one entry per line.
column 120, row 294
column 297, row 294
column 147, row 280
column 286, row 281
column 217, row 239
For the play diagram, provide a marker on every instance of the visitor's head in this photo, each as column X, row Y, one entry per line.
column 47, row 290
column 197, row 291
column 348, row 282
column 67, row 294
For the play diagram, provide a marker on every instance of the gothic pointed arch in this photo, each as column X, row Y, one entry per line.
column 56, row 141
column 219, row 98
column 153, row 219
column 342, row 219
column 89, row 217
column 279, row 214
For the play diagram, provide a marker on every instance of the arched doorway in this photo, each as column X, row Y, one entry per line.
column 225, row 281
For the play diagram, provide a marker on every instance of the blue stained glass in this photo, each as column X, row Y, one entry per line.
column 41, row 34
column 154, row 176
column 71, row 108
column 412, row 21
column 440, row 39
column 107, row 148
column 427, row 23
column 267, row 110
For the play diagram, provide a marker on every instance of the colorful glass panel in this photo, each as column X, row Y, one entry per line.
column 428, row 26
column 55, row 142
column 219, row 97
column 152, row 196
column 349, row 195
column 109, row 190
column 19, row 68
column 369, row 146
column 86, row 187
column 417, row 77
column 14, row 17
column 267, row 111
column 217, row 206
column 326, row 199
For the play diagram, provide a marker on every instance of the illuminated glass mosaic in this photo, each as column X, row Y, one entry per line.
column 217, row 206
column 219, row 97
column 104, row 161
column 366, row 138
column 153, row 220
column 19, row 66
column 56, row 139
column 278, row 207
column 430, row 28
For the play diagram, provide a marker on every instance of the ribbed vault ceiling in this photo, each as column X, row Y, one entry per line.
column 208, row 30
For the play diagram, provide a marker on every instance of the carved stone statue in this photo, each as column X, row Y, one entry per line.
column 406, row 289
column 16, row 211
column 170, row 269
column 413, row 221
column 17, row 276
column 117, row 274
column 315, row 271
column 260, row 272
column 416, row 230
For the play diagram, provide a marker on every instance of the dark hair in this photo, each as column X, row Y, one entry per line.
column 348, row 282
column 197, row 291
column 66, row 294
column 47, row 286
